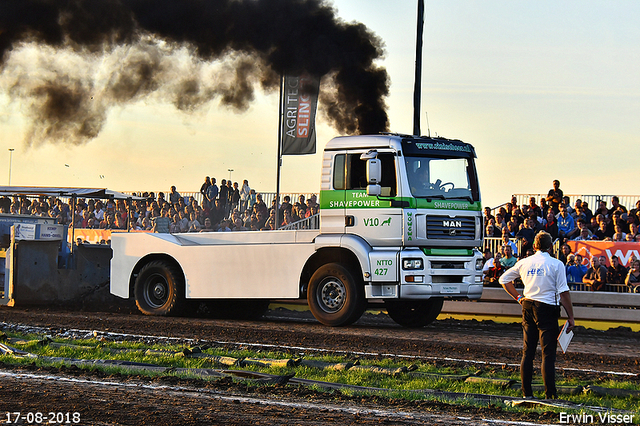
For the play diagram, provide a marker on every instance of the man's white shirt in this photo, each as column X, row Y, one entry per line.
column 543, row 276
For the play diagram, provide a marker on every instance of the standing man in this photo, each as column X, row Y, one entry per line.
column 527, row 234
column 245, row 192
column 203, row 191
column 211, row 194
column 234, row 197
column 555, row 196
column 229, row 199
column 545, row 284
column 174, row 195
column 223, row 195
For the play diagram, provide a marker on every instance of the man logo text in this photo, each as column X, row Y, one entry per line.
column 452, row 223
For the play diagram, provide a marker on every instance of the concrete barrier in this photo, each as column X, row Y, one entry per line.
column 587, row 305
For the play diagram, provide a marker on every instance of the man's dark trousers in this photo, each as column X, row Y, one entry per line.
column 539, row 322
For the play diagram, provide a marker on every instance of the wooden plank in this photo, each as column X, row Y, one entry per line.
column 605, row 314
column 496, row 294
column 606, row 299
column 482, row 308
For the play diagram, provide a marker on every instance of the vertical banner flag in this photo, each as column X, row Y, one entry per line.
column 299, row 100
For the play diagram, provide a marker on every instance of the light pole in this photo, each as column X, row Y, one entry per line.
column 10, row 161
column 229, row 170
column 417, row 88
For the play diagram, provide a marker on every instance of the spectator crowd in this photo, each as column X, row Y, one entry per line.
column 228, row 207
column 231, row 207
column 555, row 215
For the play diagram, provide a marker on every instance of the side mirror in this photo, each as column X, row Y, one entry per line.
column 374, row 190
column 374, row 171
column 374, row 176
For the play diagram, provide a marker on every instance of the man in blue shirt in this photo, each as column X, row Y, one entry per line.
column 576, row 271
column 566, row 224
column 212, row 193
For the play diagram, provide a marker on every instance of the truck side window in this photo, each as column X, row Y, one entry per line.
column 388, row 184
column 339, row 172
column 356, row 173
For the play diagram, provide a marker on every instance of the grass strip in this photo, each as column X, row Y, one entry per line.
column 389, row 375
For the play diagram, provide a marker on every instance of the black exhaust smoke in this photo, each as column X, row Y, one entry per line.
column 70, row 61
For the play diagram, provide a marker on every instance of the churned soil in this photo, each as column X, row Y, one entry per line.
column 100, row 398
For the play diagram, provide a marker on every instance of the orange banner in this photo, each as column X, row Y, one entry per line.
column 588, row 249
column 93, row 236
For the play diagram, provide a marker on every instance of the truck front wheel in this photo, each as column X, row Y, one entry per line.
column 157, row 289
column 414, row 313
column 335, row 297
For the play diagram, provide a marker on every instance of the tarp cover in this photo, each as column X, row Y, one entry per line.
column 65, row 192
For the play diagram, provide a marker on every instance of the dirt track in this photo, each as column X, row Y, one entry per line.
column 137, row 400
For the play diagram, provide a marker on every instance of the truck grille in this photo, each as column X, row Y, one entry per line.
column 451, row 228
column 447, row 265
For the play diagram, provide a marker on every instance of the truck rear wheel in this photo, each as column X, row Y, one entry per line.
column 335, row 297
column 157, row 289
column 414, row 313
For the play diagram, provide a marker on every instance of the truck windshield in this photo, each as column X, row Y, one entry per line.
column 442, row 178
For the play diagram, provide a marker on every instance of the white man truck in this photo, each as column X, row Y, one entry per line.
column 400, row 223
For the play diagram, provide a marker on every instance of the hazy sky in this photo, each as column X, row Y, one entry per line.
column 544, row 90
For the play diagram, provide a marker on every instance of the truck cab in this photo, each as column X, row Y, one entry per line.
column 413, row 205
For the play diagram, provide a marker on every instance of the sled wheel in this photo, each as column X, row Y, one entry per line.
column 157, row 289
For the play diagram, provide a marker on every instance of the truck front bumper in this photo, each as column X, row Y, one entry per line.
column 452, row 277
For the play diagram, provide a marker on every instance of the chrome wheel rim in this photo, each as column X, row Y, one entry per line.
column 331, row 294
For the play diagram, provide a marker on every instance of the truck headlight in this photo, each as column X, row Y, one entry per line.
column 479, row 264
column 412, row 264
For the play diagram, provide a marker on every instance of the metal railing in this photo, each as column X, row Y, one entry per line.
column 494, row 244
column 311, row 222
column 612, row 288
column 267, row 197
column 629, row 201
